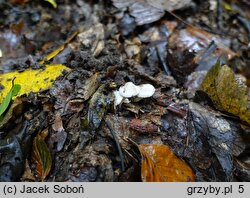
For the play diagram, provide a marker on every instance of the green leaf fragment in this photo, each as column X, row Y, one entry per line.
column 5, row 104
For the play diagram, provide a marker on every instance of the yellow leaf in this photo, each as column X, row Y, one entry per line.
column 53, row 54
column 52, row 2
column 59, row 49
column 159, row 164
column 227, row 7
column 31, row 80
column 227, row 93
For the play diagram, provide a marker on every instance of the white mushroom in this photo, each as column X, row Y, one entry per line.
column 129, row 90
column 126, row 101
column 146, row 90
column 118, row 98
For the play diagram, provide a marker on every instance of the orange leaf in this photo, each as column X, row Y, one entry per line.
column 159, row 164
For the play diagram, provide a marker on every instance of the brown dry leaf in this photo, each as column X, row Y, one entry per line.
column 226, row 91
column 41, row 156
column 160, row 164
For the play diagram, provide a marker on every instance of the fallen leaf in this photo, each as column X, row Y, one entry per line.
column 159, row 164
column 31, row 80
column 193, row 49
column 41, row 156
column 53, row 54
column 226, row 91
column 169, row 5
column 98, row 105
column 145, row 13
column 90, row 86
column 148, row 11
column 213, row 144
column 59, row 49
column 93, row 37
column 52, row 2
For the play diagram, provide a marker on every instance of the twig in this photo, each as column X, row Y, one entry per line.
column 219, row 15
column 117, row 144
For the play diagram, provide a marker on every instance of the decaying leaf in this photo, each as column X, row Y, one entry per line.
column 41, row 156
column 145, row 13
column 90, row 86
column 213, row 144
column 31, row 80
column 94, row 38
column 98, row 105
column 169, row 5
column 53, row 54
column 159, row 164
column 148, row 11
column 193, row 49
column 226, row 91
column 59, row 49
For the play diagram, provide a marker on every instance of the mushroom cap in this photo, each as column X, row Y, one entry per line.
column 146, row 90
column 129, row 90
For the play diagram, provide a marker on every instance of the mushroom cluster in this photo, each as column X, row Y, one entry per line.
column 131, row 90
